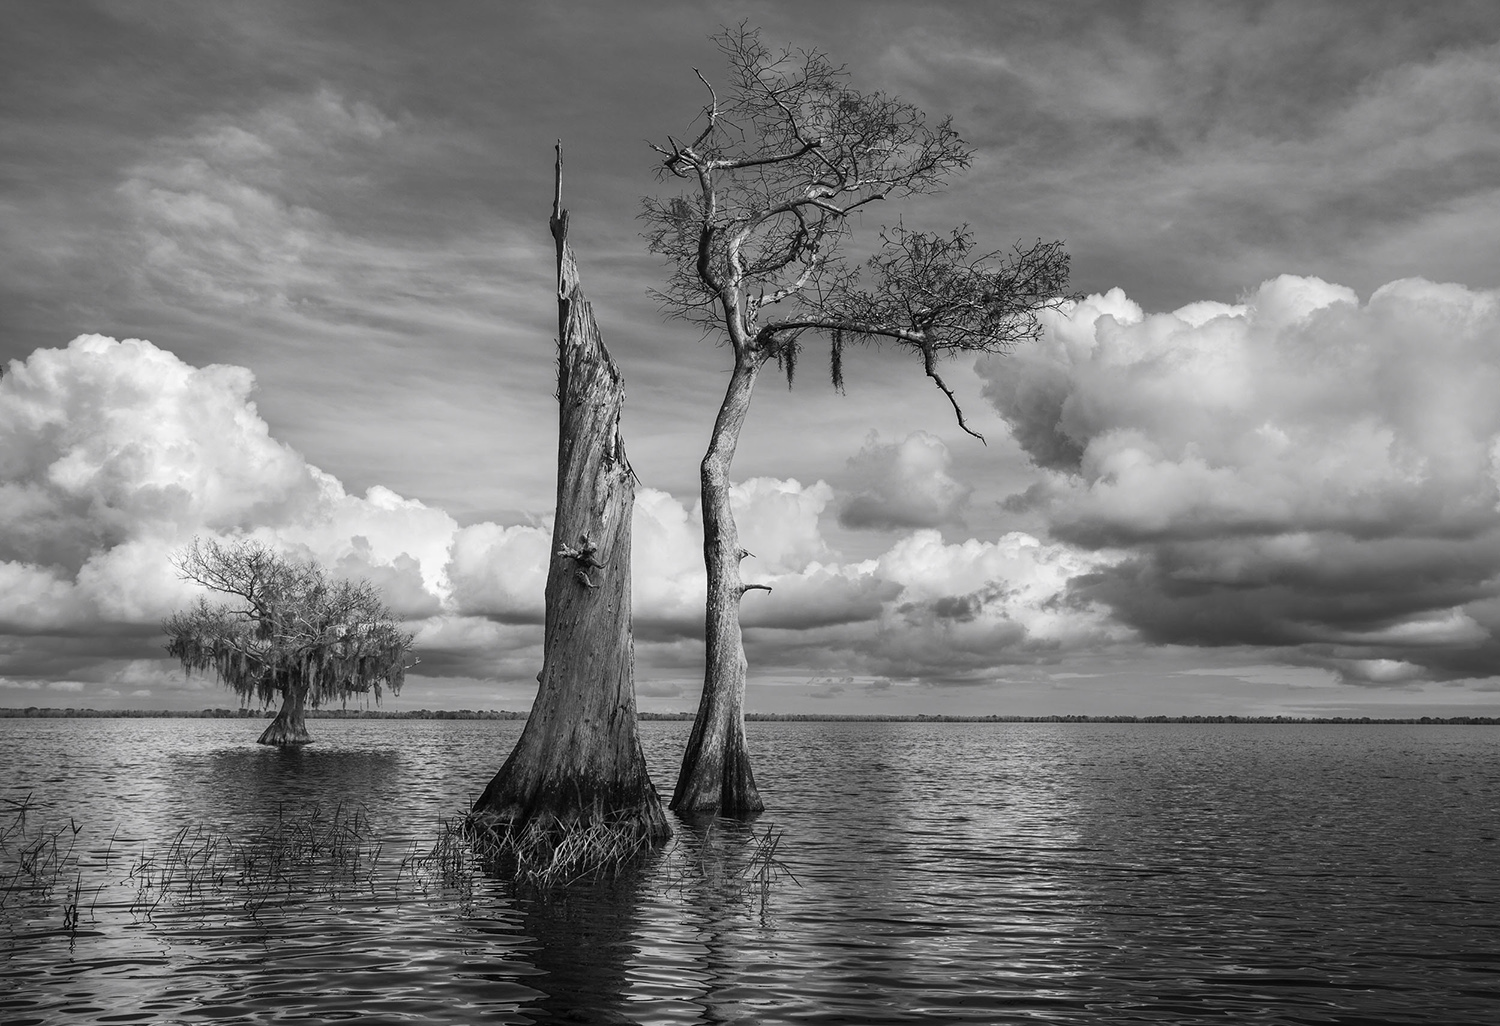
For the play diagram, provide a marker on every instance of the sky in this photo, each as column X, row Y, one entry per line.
column 282, row 271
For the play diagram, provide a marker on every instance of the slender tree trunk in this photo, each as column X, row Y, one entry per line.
column 716, row 775
column 290, row 725
column 579, row 759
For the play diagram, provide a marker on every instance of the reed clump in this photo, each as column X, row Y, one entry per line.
column 322, row 851
column 39, row 868
column 740, row 864
column 547, row 852
column 313, row 849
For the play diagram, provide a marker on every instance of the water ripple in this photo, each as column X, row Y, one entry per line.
column 944, row 873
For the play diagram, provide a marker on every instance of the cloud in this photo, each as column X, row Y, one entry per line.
column 882, row 616
column 222, row 216
column 276, row 213
column 658, row 689
column 1300, row 470
column 118, row 454
column 114, row 455
column 500, row 572
column 778, row 521
column 1228, row 143
column 288, row 233
column 903, row 484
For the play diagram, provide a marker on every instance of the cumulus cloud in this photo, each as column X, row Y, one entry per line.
column 778, row 521
column 1299, row 470
column 500, row 572
column 903, row 484
column 114, row 455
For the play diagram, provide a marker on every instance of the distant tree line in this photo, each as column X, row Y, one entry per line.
column 221, row 714
column 44, row 712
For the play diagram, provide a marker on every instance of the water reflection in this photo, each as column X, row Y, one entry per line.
column 726, row 875
column 1297, row 897
column 581, row 943
column 944, row 873
column 671, row 940
column 255, row 778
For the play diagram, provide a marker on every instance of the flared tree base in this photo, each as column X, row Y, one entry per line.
column 514, row 801
column 289, row 728
column 716, row 778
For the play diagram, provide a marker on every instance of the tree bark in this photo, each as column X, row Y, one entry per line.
column 716, row 776
column 579, row 759
column 290, row 725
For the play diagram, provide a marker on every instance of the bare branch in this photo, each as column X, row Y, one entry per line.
column 929, row 366
column 741, row 163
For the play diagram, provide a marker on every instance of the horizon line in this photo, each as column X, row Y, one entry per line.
column 84, row 712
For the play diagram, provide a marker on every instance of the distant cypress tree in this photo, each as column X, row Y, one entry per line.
column 288, row 632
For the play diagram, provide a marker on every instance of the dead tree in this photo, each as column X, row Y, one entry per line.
column 771, row 175
column 578, row 762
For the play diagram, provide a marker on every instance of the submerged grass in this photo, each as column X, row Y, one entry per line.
column 39, row 867
column 321, row 851
column 546, row 852
column 734, row 862
column 310, row 850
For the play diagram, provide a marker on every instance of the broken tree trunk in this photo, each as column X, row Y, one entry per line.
column 290, row 725
column 579, row 761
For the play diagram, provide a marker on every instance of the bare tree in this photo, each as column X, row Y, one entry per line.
column 778, row 164
column 288, row 632
column 579, row 763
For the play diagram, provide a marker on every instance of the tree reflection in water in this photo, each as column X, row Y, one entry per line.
column 723, row 877
column 666, row 941
column 251, row 782
column 582, row 945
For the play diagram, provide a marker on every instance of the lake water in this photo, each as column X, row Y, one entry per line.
column 988, row 873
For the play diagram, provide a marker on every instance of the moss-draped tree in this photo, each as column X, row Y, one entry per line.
column 772, row 171
column 287, row 632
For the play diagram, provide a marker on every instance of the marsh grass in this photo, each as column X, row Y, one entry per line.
column 544, row 854
column 733, row 862
column 310, row 851
column 331, row 852
column 40, row 872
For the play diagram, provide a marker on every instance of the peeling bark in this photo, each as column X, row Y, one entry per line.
column 579, row 759
column 290, row 725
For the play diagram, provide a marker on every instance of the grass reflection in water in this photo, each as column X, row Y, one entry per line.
column 317, row 851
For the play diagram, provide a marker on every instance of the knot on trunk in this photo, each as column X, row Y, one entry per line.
column 584, row 556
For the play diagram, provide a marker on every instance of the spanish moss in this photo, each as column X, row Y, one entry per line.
column 837, row 367
column 289, row 632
